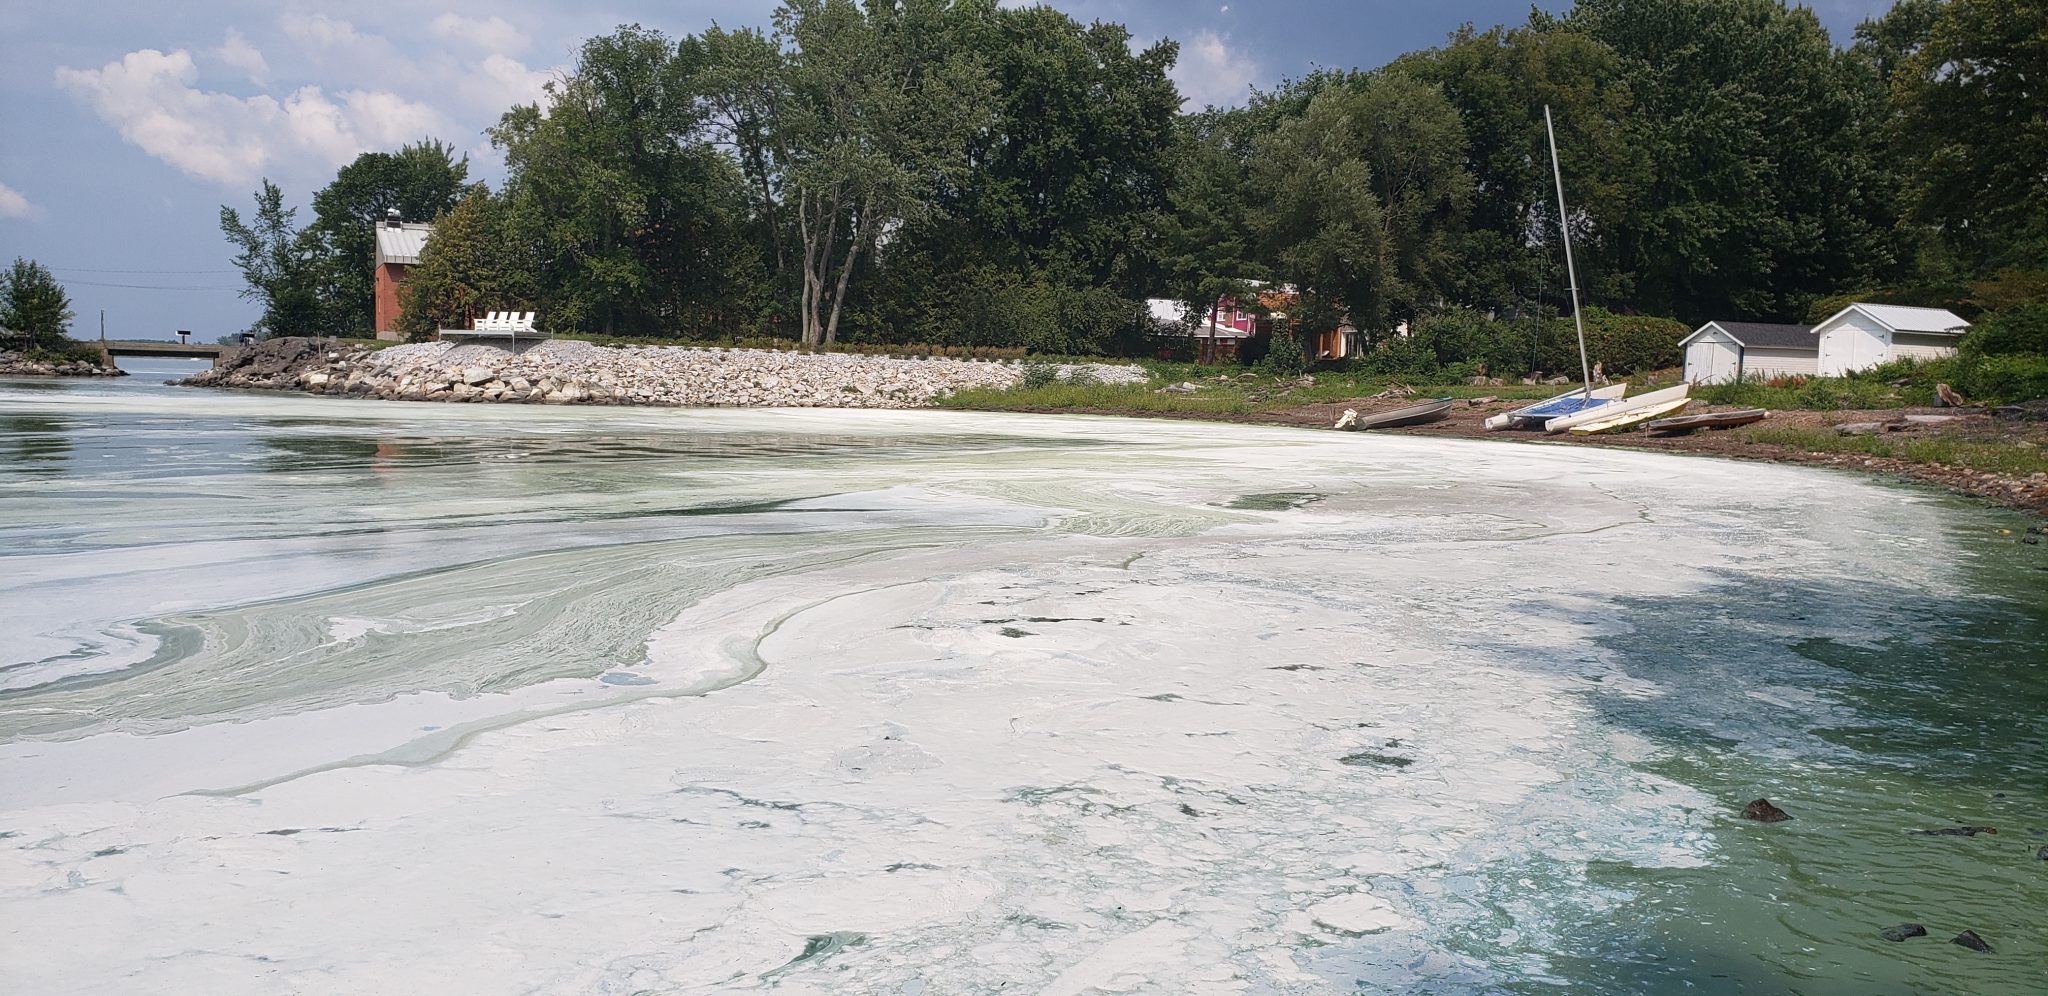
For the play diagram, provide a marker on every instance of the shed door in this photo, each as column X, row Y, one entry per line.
column 1709, row 361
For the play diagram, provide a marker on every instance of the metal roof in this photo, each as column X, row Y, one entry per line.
column 1900, row 318
column 402, row 244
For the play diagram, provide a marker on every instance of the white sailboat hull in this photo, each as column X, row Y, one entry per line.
column 1613, row 408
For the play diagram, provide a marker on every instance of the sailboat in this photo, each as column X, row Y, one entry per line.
column 1588, row 404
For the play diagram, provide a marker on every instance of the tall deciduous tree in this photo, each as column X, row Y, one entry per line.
column 1746, row 117
column 1366, row 199
column 420, row 181
column 1973, row 124
column 863, row 113
column 34, row 310
column 639, row 220
column 277, row 265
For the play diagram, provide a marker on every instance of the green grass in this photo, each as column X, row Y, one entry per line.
column 1238, row 396
column 2003, row 456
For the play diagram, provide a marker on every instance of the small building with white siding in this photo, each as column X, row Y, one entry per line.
column 1725, row 352
column 1862, row 336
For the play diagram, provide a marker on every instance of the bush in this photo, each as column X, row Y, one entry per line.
column 1468, row 340
column 2004, row 379
column 1621, row 344
column 1285, row 357
column 1402, row 356
column 2022, row 329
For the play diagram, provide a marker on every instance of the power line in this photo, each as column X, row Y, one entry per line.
column 155, row 287
column 86, row 269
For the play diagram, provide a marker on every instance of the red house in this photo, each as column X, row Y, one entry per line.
column 398, row 251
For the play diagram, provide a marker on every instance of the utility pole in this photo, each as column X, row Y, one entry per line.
column 103, row 326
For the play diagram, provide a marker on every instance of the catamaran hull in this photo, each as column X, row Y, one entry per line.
column 1613, row 408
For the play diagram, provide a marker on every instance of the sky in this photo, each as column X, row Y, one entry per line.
column 130, row 122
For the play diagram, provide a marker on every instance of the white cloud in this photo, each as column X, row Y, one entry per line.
column 488, row 34
column 12, row 204
column 1210, row 73
column 320, row 31
column 501, row 81
column 150, row 98
column 236, row 51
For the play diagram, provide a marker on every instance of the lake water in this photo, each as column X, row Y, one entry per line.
column 325, row 696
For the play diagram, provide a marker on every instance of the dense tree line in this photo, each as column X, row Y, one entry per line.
column 952, row 171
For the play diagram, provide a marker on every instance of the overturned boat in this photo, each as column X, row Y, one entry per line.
column 1706, row 420
column 1419, row 414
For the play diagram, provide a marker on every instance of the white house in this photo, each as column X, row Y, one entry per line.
column 1862, row 336
column 1724, row 352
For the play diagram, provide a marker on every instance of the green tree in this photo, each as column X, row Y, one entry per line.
column 277, row 264
column 1501, row 81
column 421, row 181
column 1972, row 104
column 851, row 119
column 1365, row 200
column 476, row 262
column 639, row 220
column 34, row 310
column 1748, row 121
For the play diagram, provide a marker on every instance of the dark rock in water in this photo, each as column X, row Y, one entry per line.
column 1903, row 931
column 1763, row 812
column 1969, row 939
column 2042, row 854
column 1957, row 831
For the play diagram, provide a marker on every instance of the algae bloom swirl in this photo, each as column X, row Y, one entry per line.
column 308, row 695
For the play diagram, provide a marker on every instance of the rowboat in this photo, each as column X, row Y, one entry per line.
column 1568, row 403
column 1613, row 408
column 1428, row 411
column 1624, row 421
column 1709, row 420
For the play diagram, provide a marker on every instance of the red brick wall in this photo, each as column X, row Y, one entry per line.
column 389, row 276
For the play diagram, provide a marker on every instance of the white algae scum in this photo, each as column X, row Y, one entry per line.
column 307, row 695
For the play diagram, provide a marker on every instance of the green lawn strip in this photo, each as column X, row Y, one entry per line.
column 1989, row 455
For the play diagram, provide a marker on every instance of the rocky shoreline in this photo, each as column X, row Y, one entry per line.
column 562, row 371
column 14, row 364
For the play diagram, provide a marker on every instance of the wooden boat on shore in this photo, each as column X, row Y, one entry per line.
column 1428, row 411
column 1623, row 406
column 1624, row 421
column 1707, row 420
column 1568, row 403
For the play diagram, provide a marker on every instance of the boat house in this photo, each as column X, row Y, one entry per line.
column 1725, row 352
column 398, row 250
column 1862, row 336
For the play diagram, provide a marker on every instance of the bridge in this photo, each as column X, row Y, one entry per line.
column 157, row 347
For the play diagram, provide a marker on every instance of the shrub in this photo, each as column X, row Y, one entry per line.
column 1621, row 344
column 1285, row 357
column 1463, row 337
column 1401, row 356
column 2020, row 329
column 2000, row 379
column 1038, row 373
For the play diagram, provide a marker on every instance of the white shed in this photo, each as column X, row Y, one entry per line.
column 1724, row 352
column 1862, row 336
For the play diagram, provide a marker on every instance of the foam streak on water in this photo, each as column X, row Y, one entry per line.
column 307, row 695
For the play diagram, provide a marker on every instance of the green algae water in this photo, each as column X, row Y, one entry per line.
column 321, row 695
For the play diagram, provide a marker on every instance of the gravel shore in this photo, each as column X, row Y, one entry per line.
column 561, row 371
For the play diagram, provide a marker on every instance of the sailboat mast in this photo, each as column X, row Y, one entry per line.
column 1564, row 228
